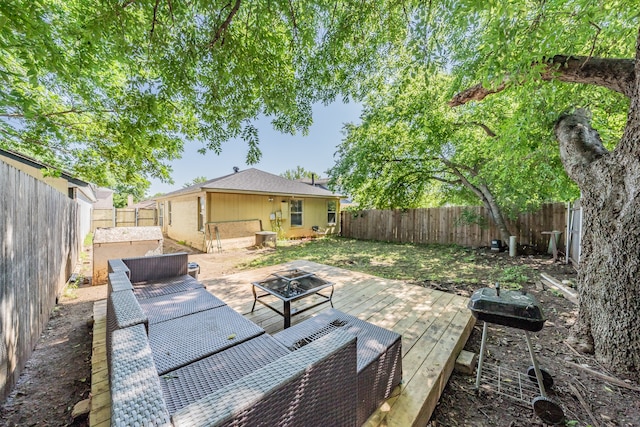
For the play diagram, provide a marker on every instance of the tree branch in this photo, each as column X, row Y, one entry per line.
column 225, row 24
column 593, row 45
column 155, row 17
column 57, row 113
column 611, row 73
column 484, row 127
column 580, row 144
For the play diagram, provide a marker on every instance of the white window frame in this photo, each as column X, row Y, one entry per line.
column 201, row 213
column 293, row 212
column 334, row 212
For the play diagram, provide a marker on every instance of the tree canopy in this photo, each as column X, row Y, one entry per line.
column 410, row 142
column 113, row 90
column 298, row 173
column 194, row 181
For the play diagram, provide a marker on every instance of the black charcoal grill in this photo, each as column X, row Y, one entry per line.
column 515, row 309
column 508, row 308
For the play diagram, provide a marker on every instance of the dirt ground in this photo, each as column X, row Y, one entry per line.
column 58, row 374
column 587, row 399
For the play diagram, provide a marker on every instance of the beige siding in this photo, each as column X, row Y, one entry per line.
column 226, row 207
column 184, row 220
column 59, row 184
column 234, row 207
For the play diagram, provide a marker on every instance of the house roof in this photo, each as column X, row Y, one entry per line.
column 39, row 165
column 144, row 204
column 85, row 188
column 256, row 181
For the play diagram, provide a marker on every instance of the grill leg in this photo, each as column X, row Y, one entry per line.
column 536, row 368
column 481, row 360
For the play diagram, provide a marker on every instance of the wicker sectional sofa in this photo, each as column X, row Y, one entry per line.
column 180, row 356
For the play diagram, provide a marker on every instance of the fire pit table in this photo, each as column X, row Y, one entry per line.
column 291, row 285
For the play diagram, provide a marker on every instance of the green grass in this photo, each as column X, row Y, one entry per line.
column 443, row 263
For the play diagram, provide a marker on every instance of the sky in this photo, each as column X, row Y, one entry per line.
column 314, row 152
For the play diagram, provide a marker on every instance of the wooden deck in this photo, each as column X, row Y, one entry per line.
column 434, row 327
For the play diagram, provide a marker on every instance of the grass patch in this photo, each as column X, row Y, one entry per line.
column 445, row 263
column 71, row 290
column 88, row 239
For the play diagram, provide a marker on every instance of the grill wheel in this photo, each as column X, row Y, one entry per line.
column 548, row 411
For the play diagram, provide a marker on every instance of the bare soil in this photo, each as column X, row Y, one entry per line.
column 585, row 397
column 58, row 375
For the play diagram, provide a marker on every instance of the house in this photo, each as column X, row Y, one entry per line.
column 242, row 203
column 104, row 198
column 82, row 192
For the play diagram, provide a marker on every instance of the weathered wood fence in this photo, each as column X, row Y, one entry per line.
column 451, row 225
column 124, row 217
column 39, row 243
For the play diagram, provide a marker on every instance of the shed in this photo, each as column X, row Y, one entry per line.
column 123, row 242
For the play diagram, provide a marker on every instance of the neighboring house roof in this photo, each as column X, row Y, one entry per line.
column 144, row 204
column 255, row 181
column 105, row 198
column 317, row 182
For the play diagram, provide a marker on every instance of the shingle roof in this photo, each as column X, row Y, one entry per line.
column 256, row 181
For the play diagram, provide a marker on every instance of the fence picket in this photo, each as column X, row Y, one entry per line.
column 445, row 225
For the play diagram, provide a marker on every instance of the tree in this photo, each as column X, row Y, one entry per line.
column 409, row 141
column 298, row 173
column 111, row 90
column 512, row 49
column 194, row 181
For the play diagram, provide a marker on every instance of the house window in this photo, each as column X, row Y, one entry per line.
column 331, row 211
column 161, row 214
column 296, row 213
column 169, row 211
column 201, row 213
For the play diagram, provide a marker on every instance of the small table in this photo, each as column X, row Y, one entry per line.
column 288, row 286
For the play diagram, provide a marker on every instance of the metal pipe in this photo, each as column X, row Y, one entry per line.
column 513, row 251
column 481, row 360
column 536, row 368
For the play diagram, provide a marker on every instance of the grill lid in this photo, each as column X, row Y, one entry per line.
column 509, row 308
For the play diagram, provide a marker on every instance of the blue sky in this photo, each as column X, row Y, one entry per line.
column 280, row 152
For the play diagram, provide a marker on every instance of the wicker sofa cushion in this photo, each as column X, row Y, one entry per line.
column 198, row 379
column 119, row 281
column 171, row 306
column 165, row 286
column 151, row 268
column 136, row 394
column 178, row 342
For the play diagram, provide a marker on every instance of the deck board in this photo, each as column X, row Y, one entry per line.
column 434, row 326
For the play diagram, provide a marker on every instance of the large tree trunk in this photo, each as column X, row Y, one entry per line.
column 609, row 274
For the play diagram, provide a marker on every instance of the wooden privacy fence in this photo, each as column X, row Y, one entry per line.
column 39, row 242
column 123, row 217
column 452, row 225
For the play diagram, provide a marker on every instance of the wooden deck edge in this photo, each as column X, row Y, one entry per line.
column 380, row 416
column 100, row 414
column 430, row 403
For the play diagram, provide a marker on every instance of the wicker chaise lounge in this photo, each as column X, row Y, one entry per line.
column 180, row 356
